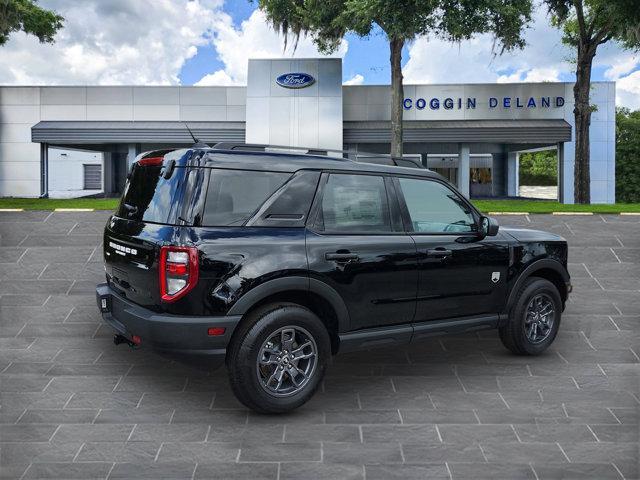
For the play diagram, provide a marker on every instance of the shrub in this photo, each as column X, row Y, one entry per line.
column 627, row 156
column 539, row 168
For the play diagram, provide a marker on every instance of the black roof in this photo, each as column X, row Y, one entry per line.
column 292, row 162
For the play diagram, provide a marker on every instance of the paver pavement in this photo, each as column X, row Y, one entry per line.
column 73, row 405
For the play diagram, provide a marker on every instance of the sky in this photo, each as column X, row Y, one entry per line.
column 208, row 42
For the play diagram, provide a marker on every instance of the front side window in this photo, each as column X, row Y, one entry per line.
column 234, row 196
column 434, row 208
column 355, row 203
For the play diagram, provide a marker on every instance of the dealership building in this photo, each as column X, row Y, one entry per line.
column 81, row 140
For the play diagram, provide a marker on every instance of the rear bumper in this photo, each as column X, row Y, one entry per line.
column 183, row 338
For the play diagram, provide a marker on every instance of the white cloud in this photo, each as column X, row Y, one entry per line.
column 621, row 70
column 622, row 65
column 219, row 77
column 114, row 42
column 628, row 91
column 436, row 61
column 357, row 79
column 254, row 39
column 531, row 75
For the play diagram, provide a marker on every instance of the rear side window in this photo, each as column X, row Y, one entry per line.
column 149, row 197
column 355, row 203
column 234, row 196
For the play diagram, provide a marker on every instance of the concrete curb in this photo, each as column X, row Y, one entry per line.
column 565, row 213
column 571, row 213
column 73, row 210
column 11, row 209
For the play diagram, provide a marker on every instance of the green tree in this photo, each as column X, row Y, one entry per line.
column 539, row 168
column 587, row 24
column 28, row 17
column 327, row 21
column 627, row 156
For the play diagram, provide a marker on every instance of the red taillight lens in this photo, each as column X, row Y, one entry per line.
column 178, row 268
column 151, row 161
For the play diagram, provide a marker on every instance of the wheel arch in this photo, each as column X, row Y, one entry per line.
column 548, row 269
column 313, row 294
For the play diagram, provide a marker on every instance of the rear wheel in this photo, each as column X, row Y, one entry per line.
column 534, row 319
column 278, row 357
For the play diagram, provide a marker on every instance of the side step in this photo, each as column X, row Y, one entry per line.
column 408, row 333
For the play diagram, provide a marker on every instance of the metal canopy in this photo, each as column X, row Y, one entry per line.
column 436, row 131
column 59, row 132
column 452, row 131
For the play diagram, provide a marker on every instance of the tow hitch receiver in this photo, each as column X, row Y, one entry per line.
column 118, row 339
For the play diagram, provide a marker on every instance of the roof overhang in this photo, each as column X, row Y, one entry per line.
column 475, row 131
column 59, row 132
column 435, row 131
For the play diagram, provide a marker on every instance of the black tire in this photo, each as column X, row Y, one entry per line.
column 514, row 333
column 246, row 345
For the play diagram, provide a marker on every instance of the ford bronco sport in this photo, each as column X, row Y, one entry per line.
column 272, row 261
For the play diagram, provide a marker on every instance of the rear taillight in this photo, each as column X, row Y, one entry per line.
column 178, row 271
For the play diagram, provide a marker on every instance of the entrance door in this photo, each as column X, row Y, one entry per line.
column 458, row 274
column 358, row 247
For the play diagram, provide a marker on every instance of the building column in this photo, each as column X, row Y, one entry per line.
column 561, row 173
column 499, row 173
column 463, row 168
column 513, row 167
column 108, row 173
column 132, row 152
column 44, row 170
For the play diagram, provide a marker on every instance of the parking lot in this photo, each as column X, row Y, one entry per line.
column 74, row 405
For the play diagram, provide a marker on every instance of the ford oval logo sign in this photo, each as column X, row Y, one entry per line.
column 295, row 80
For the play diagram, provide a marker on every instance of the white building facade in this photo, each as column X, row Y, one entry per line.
column 471, row 133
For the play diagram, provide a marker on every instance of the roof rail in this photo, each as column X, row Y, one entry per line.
column 256, row 147
column 353, row 155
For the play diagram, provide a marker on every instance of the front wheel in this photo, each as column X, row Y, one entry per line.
column 278, row 357
column 534, row 319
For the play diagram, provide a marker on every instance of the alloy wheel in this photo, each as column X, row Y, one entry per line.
column 286, row 361
column 540, row 317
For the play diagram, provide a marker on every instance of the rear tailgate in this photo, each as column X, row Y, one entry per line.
column 131, row 252
column 146, row 219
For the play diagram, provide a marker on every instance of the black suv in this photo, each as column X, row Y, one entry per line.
column 273, row 261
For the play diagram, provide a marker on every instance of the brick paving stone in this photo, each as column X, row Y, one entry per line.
column 68, row 470
column 230, row 471
column 73, row 405
column 157, row 470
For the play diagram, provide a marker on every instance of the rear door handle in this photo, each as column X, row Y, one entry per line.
column 342, row 257
column 439, row 253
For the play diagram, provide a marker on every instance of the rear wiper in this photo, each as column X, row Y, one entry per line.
column 131, row 209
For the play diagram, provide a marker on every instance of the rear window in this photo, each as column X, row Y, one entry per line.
column 234, row 196
column 149, row 197
column 355, row 203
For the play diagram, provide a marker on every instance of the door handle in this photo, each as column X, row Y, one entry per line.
column 439, row 253
column 342, row 257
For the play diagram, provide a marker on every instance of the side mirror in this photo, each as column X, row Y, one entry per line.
column 487, row 227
